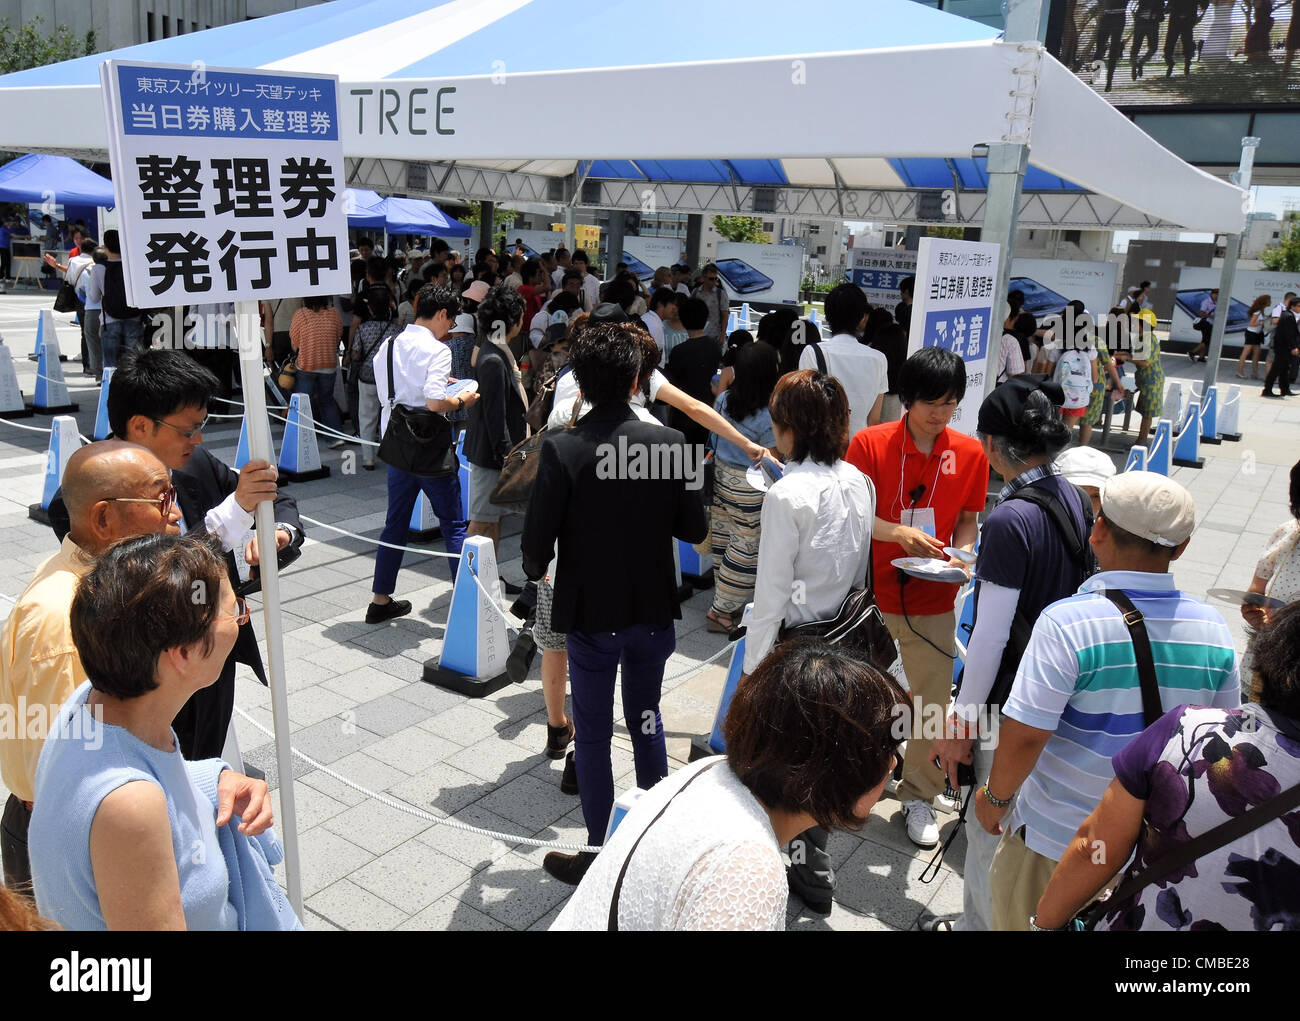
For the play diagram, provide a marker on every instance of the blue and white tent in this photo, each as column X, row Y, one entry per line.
column 840, row 108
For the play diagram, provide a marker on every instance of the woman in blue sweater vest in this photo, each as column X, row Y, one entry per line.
column 132, row 836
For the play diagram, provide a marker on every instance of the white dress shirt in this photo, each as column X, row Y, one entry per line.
column 566, row 388
column 590, row 292
column 814, row 547
column 862, row 371
column 421, row 366
column 655, row 326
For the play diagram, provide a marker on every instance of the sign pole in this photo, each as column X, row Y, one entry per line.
column 259, row 444
column 1231, row 248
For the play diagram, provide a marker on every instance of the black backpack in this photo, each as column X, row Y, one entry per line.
column 114, row 300
column 1080, row 553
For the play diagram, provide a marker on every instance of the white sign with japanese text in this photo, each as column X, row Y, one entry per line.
column 229, row 183
column 953, row 308
column 879, row 271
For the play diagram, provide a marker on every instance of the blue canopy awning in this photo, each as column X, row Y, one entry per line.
column 38, row 178
column 366, row 210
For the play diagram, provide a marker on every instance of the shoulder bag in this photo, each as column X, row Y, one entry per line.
column 417, row 441
column 363, row 358
column 519, row 471
column 857, row 625
column 287, row 377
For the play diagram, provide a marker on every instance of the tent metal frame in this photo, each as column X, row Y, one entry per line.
column 459, row 181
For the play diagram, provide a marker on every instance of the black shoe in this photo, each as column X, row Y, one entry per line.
column 521, row 657
column 1270, row 393
column 569, row 781
column 511, row 588
column 558, row 740
column 568, row 868
column 817, row 899
column 377, row 613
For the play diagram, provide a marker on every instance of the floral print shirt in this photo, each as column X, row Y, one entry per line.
column 1197, row 768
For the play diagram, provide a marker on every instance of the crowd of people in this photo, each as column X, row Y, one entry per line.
column 825, row 462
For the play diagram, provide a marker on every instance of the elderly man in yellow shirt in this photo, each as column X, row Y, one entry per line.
column 113, row 490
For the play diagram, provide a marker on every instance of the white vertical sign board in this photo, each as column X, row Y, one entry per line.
column 879, row 271
column 954, row 308
column 229, row 184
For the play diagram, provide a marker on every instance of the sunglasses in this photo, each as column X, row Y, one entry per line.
column 165, row 502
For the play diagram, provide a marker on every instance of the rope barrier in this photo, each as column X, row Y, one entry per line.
column 379, row 542
column 41, row 429
column 401, row 806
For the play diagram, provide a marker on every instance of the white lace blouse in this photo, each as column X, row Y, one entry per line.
column 711, row 862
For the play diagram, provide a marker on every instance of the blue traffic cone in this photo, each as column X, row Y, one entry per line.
column 1210, row 417
column 51, row 389
column 1187, row 444
column 717, row 745
column 65, row 440
column 102, row 429
column 299, row 452
column 45, row 331
column 1161, row 450
column 696, row 568
column 242, row 453
column 1137, row 460
column 474, row 646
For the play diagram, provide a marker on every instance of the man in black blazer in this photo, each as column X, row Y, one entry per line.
column 159, row 399
column 1286, row 346
column 612, row 492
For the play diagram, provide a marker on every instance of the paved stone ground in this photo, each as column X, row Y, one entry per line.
column 358, row 706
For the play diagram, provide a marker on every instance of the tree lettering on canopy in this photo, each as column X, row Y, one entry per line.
column 387, row 104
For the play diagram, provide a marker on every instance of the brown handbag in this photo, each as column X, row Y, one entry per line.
column 519, row 472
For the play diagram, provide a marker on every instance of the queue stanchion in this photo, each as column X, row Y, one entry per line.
column 12, row 404
column 716, row 744
column 45, row 331
column 1187, row 444
column 424, row 525
column 102, row 429
column 475, row 646
column 51, row 396
column 1161, row 449
column 464, row 476
column 299, row 451
column 1137, row 460
column 1173, row 405
column 64, row 442
column 1230, row 417
column 696, row 568
column 1210, row 416
column 744, row 315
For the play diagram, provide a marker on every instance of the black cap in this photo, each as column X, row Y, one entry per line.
column 1001, row 411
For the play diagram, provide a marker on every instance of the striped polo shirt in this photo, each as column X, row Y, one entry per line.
column 1078, row 679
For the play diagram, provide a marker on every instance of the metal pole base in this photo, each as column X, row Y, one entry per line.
column 698, row 581
column 1183, row 463
column 38, row 513
column 25, row 412
column 323, row 472
column 61, row 409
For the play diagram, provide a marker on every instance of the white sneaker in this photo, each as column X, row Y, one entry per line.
column 922, row 826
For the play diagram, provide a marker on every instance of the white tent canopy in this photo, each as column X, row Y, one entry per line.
column 498, row 99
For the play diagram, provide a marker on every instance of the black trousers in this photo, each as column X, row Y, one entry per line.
column 1180, row 30
column 203, row 721
column 13, row 845
column 1145, row 32
column 1280, row 372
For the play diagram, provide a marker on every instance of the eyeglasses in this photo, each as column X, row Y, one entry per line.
column 187, row 433
column 165, row 501
column 241, row 614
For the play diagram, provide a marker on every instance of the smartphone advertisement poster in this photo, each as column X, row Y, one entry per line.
column 878, row 271
column 1048, row 284
column 954, row 307
column 644, row 255
column 760, row 273
column 1194, row 284
column 230, row 183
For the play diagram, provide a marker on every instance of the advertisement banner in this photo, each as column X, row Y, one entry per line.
column 760, row 273
column 535, row 242
column 878, row 272
column 1048, row 284
column 953, row 307
column 229, row 183
column 1194, row 284
column 644, row 255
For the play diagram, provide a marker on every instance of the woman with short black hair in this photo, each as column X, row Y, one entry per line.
column 811, row 738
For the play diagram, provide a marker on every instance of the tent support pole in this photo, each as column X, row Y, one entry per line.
column 1231, row 247
column 249, row 332
column 1007, row 161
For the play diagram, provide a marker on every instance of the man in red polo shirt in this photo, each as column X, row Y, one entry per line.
column 931, row 483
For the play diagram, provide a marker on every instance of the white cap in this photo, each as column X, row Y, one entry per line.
column 1085, row 466
column 464, row 324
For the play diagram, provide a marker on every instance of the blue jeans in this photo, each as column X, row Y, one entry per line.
column 319, row 386
column 593, row 660
column 118, row 336
column 403, row 490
